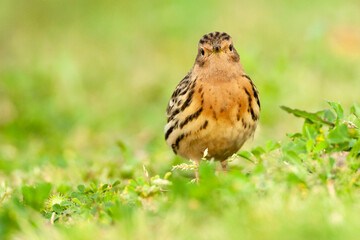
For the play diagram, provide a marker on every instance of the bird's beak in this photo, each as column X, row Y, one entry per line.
column 216, row 48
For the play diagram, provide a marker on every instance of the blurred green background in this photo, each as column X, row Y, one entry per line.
column 78, row 79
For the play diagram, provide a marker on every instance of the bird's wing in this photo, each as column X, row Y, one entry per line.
column 178, row 97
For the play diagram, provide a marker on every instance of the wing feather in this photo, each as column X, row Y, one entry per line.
column 178, row 97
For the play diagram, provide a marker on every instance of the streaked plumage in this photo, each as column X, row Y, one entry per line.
column 216, row 106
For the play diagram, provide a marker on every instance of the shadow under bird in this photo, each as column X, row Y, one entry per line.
column 215, row 106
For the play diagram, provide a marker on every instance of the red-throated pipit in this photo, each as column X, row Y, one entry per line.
column 215, row 107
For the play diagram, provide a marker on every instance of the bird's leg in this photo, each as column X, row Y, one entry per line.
column 197, row 174
column 195, row 165
column 223, row 165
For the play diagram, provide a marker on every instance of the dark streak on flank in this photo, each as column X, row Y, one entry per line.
column 176, row 92
column 256, row 95
column 249, row 96
column 183, row 92
column 205, row 124
column 202, row 98
column 238, row 113
column 173, row 114
column 180, row 89
column 202, row 41
column 214, row 115
column 168, row 132
column 244, row 75
column 243, row 123
column 179, row 138
column 171, row 129
column 173, row 148
column 194, row 83
column 253, row 115
column 249, row 107
column 175, row 145
column 191, row 117
column 188, row 100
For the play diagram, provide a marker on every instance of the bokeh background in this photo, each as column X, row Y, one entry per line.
column 84, row 84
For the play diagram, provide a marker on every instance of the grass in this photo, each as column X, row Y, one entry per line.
column 83, row 92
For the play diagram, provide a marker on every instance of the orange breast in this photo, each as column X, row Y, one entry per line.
column 224, row 100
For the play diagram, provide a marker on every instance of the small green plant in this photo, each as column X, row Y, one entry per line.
column 327, row 146
column 318, row 163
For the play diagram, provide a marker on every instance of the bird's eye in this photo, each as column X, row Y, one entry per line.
column 202, row 52
column 230, row 47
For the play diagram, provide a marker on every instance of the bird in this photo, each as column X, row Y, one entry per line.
column 215, row 107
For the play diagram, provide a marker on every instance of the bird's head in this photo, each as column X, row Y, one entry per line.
column 217, row 48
